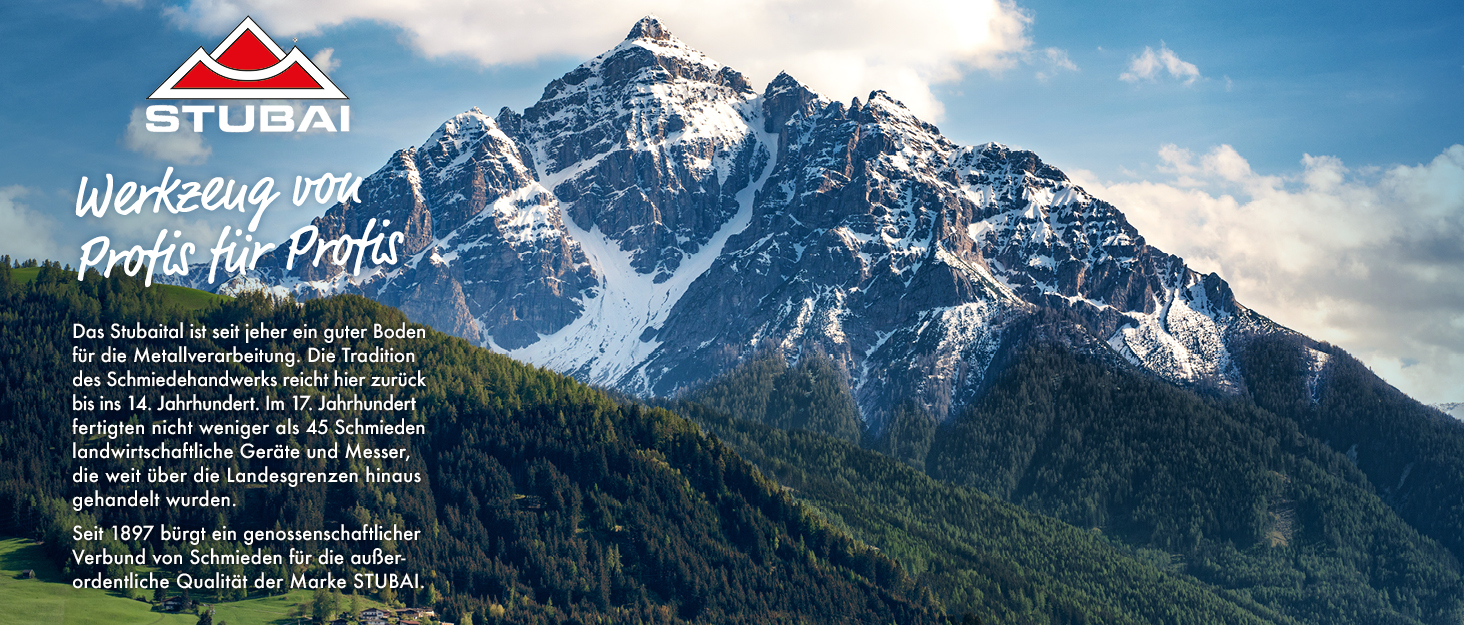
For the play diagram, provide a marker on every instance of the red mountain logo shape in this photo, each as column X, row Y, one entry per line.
column 248, row 65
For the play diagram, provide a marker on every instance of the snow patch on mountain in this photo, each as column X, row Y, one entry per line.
column 1316, row 362
column 606, row 345
column 1182, row 341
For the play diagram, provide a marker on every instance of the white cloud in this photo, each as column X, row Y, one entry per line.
column 1147, row 66
column 1053, row 60
column 325, row 60
column 901, row 47
column 27, row 232
column 1371, row 260
column 182, row 147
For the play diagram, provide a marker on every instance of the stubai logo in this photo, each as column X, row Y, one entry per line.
column 248, row 65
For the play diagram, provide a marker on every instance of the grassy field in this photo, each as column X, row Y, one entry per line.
column 189, row 299
column 50, row 599
column 276, row 610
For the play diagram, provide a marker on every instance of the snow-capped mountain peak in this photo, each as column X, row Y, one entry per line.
column 652, row 220
column 649, row 27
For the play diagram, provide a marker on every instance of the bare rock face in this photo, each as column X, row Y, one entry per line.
column 435, row 297
column 653, row 220
column 649, row 143
column 855, row 250
column 484, row 253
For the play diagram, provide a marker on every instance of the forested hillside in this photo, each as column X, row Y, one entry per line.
column 1412, row 456
column 982, row 556
column 1233, row 498
column 544, row 500
column 1243, row 495
column 809, row 396
column 1076, row 490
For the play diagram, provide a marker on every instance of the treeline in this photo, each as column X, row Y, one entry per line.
column 811, row 395
column 544, row 500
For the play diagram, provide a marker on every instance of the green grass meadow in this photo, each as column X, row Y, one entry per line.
column 48, row 598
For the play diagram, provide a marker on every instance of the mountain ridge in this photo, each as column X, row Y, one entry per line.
column 653, row 220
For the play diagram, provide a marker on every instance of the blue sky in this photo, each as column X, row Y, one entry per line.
column 1370, row 83
column 1305, row 153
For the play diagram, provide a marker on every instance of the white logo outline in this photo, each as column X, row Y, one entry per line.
column 327, row 90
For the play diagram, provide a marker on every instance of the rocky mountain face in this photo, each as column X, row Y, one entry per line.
column 654, row 220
